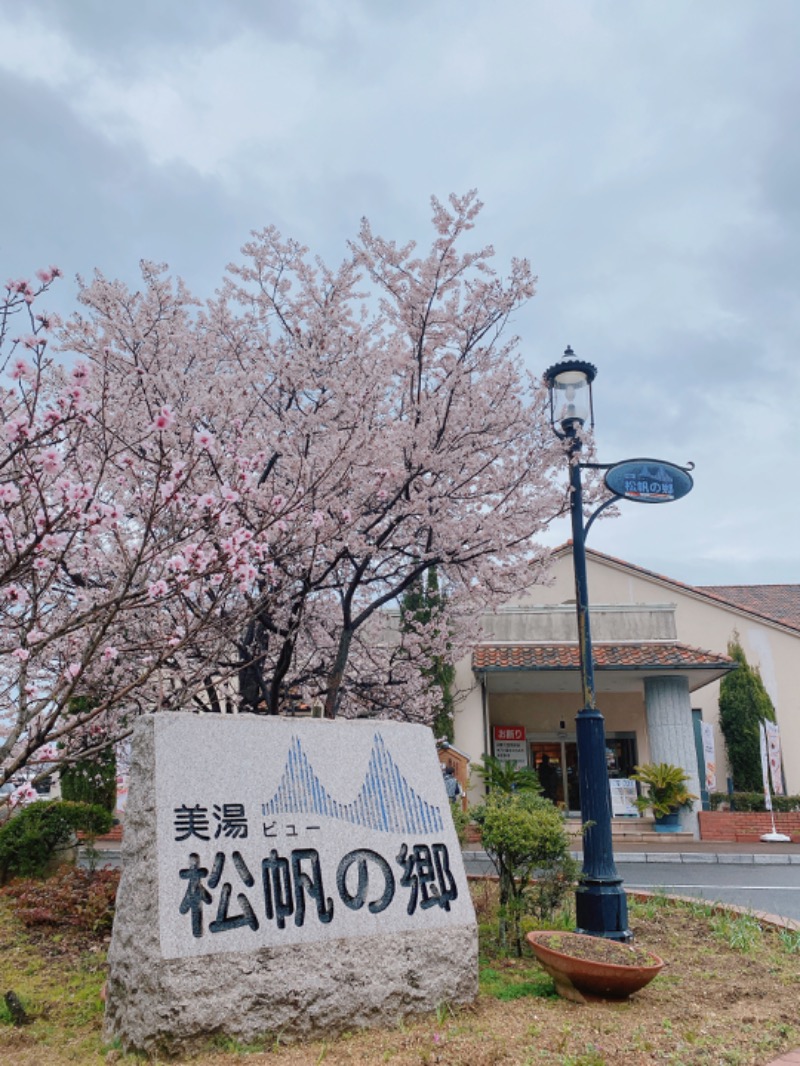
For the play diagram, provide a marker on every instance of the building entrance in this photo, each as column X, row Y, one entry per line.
column 556, row 762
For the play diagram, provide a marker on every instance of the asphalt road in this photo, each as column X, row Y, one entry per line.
column 771, row 888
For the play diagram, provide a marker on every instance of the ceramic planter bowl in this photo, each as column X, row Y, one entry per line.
column 622, row 971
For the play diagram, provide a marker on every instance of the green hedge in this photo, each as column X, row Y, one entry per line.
column 32, row 837
column 753, row 801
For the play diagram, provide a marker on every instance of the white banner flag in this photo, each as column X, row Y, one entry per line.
column 774, row 753
column 709, row 756
column 762, row 734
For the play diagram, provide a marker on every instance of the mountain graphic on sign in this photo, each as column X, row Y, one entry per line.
column 385, row 802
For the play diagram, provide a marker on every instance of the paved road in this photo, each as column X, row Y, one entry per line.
column 771, row 888
column 759, row 882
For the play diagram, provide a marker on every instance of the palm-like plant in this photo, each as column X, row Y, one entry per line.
column 501, row 776
column 666, row 788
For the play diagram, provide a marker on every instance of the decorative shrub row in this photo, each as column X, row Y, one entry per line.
column 77, row 898
column 753, row 801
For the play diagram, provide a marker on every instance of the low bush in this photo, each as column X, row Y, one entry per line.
column 752, row 801
column 30, row 840
column 74, row 898
column 524, row 836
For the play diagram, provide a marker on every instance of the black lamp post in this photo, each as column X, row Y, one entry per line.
column 601, row 907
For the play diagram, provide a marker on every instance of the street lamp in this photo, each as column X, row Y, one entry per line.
column 601, row 907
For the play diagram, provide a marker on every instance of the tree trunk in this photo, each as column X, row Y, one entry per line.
column 334, row 687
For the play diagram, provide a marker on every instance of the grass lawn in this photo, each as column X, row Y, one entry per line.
column 729, row 994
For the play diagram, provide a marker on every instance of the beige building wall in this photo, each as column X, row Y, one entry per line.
column 699, row 621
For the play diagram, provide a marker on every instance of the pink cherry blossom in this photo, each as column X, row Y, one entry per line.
column 21, row 368
column 165, row 419
column 17, row 428
column 51, row 461
column 205, row 440
column 22, row 796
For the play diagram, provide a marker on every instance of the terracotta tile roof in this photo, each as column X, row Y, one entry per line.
column 778, row 602
column 644, row 655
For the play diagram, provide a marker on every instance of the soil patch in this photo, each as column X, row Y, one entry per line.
column 596, row 949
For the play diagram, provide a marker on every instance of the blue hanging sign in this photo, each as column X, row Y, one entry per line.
column 648, row 481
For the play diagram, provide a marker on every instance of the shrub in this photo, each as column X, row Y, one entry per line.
column 523, row 834
column 75, row 898
column 460, row 821
column 89, row 778
column 753, row 801
column 743, row 703
column 30, row 840
column 92, row 781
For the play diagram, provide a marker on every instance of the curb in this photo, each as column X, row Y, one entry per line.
column 736, row 859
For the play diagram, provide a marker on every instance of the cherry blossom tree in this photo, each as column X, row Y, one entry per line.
column 445, row 457
column 222, row 504
column 114, row 569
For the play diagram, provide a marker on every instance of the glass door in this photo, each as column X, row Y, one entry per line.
column 556, row 763
column 547, row 761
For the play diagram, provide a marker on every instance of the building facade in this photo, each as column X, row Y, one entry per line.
column 660, row 651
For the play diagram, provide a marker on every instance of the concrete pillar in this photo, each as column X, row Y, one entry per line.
column 668, row 708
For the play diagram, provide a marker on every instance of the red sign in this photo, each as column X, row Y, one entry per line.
column 509, row 732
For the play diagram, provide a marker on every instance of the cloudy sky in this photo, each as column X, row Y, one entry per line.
column 643, row 155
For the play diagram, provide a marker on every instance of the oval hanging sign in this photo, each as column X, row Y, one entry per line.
column 648, row 481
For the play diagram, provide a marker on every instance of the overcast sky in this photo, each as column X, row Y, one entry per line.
column 644, row 156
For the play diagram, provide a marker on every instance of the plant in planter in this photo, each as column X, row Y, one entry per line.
column 666, row 792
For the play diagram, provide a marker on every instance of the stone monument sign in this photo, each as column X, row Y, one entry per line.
column 284, row 875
